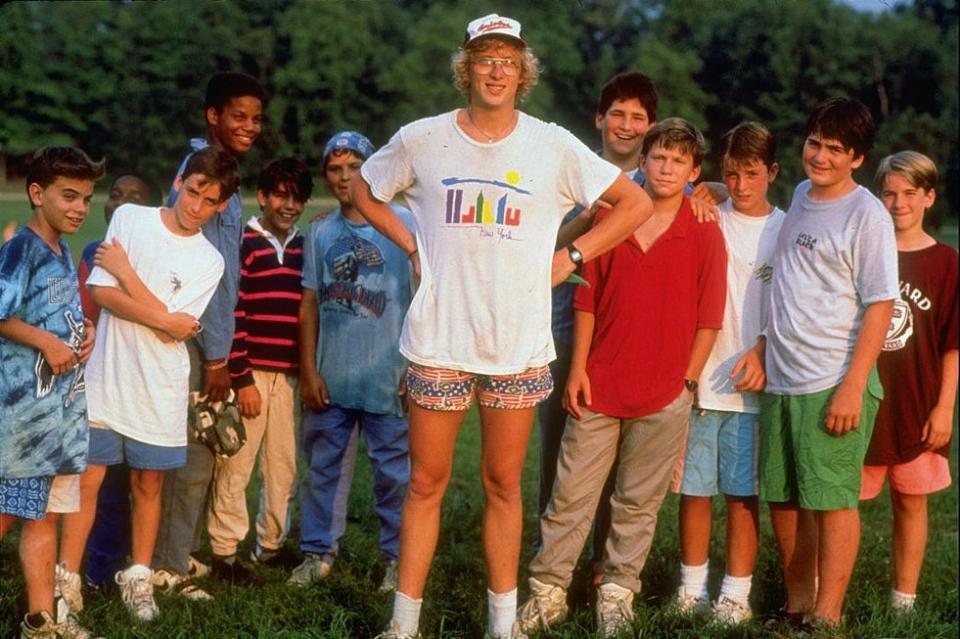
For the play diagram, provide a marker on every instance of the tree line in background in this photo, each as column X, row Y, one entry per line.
column 126, row 79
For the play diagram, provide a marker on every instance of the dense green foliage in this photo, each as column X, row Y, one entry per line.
column 125, row 79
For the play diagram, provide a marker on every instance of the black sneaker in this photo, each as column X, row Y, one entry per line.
column 230, row 569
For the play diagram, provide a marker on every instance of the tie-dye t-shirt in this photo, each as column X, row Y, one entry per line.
column 487, row 218
column 43, row 431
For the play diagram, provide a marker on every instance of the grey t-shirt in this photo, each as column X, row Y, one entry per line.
column 834, row 258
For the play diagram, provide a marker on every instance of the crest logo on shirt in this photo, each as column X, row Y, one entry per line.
column 352, row 260
column 468, row 203
column 807, row 241
column 901, row 327
column 176, row 282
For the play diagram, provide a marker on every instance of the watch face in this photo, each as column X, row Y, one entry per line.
column 691, row 385
column 575, row 254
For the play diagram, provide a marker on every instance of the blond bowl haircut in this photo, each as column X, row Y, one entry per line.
column 462, row 59
column 918, row 169
column 675, row 133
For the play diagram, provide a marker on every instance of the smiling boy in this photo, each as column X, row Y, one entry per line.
column 263, row 366
column 834, row 283
column 642, row 334
column 233, row 110
column 155, row 275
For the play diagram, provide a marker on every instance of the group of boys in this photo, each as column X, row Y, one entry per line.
column 191, row 309
column 661, row 357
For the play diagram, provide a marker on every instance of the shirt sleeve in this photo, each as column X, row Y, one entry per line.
column 875, row 257
column 389, row 171
column 310, row 278
column 14, row 272
column 240, row 370
column 119, row 230
column 218, row 327
column 586, row 176
column 711, row 276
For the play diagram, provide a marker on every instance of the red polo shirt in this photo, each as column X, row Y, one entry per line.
column 647, row 308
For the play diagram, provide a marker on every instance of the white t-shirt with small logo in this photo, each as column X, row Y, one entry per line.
column 137, row 385
column 834, row 258
column 487, row 218
column 751, row 242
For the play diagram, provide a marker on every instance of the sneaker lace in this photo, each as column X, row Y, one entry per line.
column 613, row 610
column 139, row 593
column 70, row 628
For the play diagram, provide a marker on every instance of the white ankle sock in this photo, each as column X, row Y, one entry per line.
column 138, row 571
column 902, row 600
column 406, row 612
column 736, row 588
column 501, row 613
column 693, row 579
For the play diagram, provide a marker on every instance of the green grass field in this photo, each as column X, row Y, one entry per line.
column 347, row 604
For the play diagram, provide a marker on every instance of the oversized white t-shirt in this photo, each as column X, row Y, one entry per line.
column 834, row 258
column 751, row 242
column 487, row 218
column 136, row 384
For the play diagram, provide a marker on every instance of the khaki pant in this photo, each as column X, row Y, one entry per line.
column 271, row 436
column 648, row 448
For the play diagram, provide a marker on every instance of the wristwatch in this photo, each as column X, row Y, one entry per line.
column 575, row 255
column 691, row 384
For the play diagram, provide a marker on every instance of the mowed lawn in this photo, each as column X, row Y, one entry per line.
column 347, row 604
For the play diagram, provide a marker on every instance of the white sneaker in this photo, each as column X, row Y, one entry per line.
column 46, row 631
column 393, row 632
column 614, row 609
column 546, row 606
column 68, row 627
column 66, row 584
column 688, row 603
column 730, row 612
column 389, row 583
column 196, row 568
column 175, row 584
column 137, row 595
column 314, row 568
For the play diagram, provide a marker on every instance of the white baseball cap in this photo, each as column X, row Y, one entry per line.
column 493, row 24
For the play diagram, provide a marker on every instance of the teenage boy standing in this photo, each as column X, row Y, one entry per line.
column 834, row 285
column 488, row 186
column 232, row 108
column 642, row 334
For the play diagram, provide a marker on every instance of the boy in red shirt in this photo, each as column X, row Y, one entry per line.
column 918, row 369
column 642, row 334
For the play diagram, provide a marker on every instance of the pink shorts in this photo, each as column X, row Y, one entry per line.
column 924, row 475
column 446, row 389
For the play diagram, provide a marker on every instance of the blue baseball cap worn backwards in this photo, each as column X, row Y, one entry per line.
column 349, row 141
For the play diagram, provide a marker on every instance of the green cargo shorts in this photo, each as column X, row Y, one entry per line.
column 800, row 462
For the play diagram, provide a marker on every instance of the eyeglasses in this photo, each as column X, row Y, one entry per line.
column 484, row 66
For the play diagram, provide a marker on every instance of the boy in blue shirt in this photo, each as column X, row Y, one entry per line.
column 44, row 344
column 356, row 290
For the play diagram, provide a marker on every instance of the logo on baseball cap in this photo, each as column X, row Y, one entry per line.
column 494, row 24
column 349, row 141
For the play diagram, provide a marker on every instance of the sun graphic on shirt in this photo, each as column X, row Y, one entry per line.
column 512, row 178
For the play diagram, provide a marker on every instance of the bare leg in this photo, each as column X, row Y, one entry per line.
column 433, row 434
column 505, row 437
column 839, row 532
column 743, row 525
column 796, row 534
column 695, row 523
column 145, row 486
column 38, row 552
column 909, row 539
column 76, row 526
column 6, row 523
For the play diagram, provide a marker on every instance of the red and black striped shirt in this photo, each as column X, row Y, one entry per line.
column 268, row 306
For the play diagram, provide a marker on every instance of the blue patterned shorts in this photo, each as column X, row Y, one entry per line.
column 446, row 389
column 25, row 498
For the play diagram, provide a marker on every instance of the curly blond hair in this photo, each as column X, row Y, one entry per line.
column 462, row 59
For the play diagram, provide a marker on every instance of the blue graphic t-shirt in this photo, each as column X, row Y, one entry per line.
column 363, row 285
column 43, row 431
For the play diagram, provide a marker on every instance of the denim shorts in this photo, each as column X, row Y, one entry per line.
column 447, row 389
column 721, row 454
column 26, row 497
column 108, row 447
